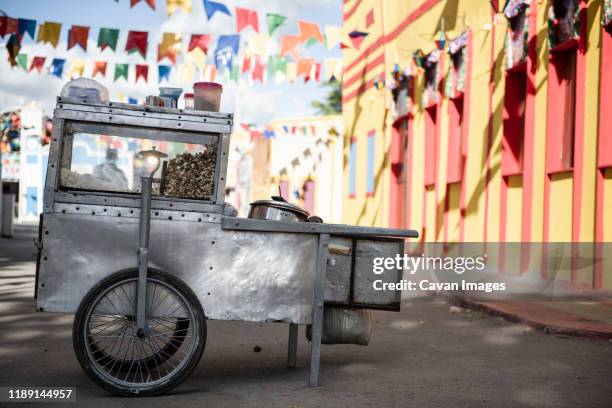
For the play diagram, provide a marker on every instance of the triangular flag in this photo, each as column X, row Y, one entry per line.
column 200, row 41
column 26, row 26
column 357, row 38
column 163, row 72
column 258, row 45
column 276, row 64
column 245, row 18
column 78, row 35
column 304, row 66
column 57, row 67
column 121, row 71
column 142, row 71
column 333, row 36
column 37, row 64
column 310, row 30
column 169, row 47
column 258, row 71
column 77, row 67
column 173, row 5
column 246, row 64
column 22, row 61
column 196, row 57
column 107, row 37
column 273, row 21
column 290, row 45
column 212, row 7
column 209, row 73
column 151, row 3
column 132, row 101
column 13, row 45
column 99, row 68
column 234, row 74
column 331, row 68
column 291, row 71
column 137, row 41
column 7, row 25
column 49, row 33
column 227, row 48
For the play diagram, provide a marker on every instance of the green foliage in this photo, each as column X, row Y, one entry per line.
column 332, row 103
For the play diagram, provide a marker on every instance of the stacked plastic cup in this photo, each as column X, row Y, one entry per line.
column 207, row 96
column 188, row 100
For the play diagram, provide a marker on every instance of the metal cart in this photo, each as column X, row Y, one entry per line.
column 136, row 240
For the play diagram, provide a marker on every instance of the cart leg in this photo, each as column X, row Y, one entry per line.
column 317, row 310
column 293, row 339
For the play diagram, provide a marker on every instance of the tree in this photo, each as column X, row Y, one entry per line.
column 332, row 103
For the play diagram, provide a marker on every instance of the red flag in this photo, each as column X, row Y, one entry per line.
column 317, row 72
column 137, row 40
column 246, row 64
column 245, row 18
column 37, row 64
column 357, row 38
column 142, row 71
column 99, row 68
column 290, row 45
column 151, row 3
column 200, row 41
column 310, row 30
column 78, row 35
column 8, row 26
column 258, row 71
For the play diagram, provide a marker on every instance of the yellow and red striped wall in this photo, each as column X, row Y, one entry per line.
column 454, row 168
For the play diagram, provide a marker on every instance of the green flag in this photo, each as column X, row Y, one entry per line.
column 121, row 70
column 108, row 38
column 276, row 64
column 311, row 41
column 274, row 21
column 235, row 73
column 22, row 61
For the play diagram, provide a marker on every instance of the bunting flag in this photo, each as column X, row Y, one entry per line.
column 234, row 74
column 99, row 68
column 22, row 61
column 333, row 36
column 26, row 26
column 169, row 47
column 291, row 71
column 200, row 41
column 13, row 45
column 357, row 38
column 151, row 3
column 310, row 30
column 163, row 72
column 142, row 71
column 212, row 7
column 186, row 73
column 258, row 71
column 315, row 72
column 107, row 37
column 246, row 64
column 273, row 21
column 269, row 132
column 121, row 71
column 227, row 48
column 304, row 65
column 290, row 45
column 57, row 67
column 258, row 45
column 137, row 41
column 276, row 64
column 77, row 67
column 173, row 5
column 8, row 25
column 78, row 35
column 209, row 73
column 37, row 64
column 132, row 101
column 333, row 68
column 196, row 57
column 49, row 33
column 246, row 18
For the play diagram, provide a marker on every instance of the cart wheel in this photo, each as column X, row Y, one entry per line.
column 112, row 352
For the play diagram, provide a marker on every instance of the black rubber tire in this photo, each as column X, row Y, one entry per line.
column 199, row 331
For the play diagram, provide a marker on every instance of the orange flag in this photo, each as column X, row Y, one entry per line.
column 290, row 45
column 78, row 35
column 99, row 68
column 304, row 66
column 310, row 30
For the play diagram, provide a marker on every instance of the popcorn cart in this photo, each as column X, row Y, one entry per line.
column 136, row 240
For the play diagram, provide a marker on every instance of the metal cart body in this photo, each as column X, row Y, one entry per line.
column 240, row 269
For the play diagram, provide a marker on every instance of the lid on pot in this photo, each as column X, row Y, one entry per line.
column 283, row 205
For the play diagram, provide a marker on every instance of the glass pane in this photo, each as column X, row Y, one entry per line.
column 115, row 164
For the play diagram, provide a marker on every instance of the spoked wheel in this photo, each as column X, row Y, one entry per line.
column 127, row 362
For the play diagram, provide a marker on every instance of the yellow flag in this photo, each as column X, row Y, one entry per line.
column 169, row 47
column 172, row 5
column 196, row 57
column 258, row 45
column 186, row 73
column 77, row 67
column 49, row 33
column 333, row 68
column 291, row 71
column 333, row 36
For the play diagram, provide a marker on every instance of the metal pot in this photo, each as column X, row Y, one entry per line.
column 277, row 210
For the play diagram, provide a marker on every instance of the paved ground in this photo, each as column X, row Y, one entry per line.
column 424, row 356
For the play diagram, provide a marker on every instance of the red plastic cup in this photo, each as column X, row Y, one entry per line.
column 189, row 103
column 207, row 96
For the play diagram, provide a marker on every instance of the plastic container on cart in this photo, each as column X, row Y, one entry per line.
column 169, row 92
column 207, row 96
column 85, row 88
column 188, row 97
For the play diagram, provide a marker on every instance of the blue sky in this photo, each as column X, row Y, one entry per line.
column 252, row 102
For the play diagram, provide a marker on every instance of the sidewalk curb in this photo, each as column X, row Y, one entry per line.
column 534, row 323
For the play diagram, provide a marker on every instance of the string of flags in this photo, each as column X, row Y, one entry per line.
column 272, row 131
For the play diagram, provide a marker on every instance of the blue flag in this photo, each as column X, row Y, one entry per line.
column 26, row 26
column 227, row 47
column 163, row 71
column 269, row 133
column 132, row 101
column 212, row 7
column 57, row 67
